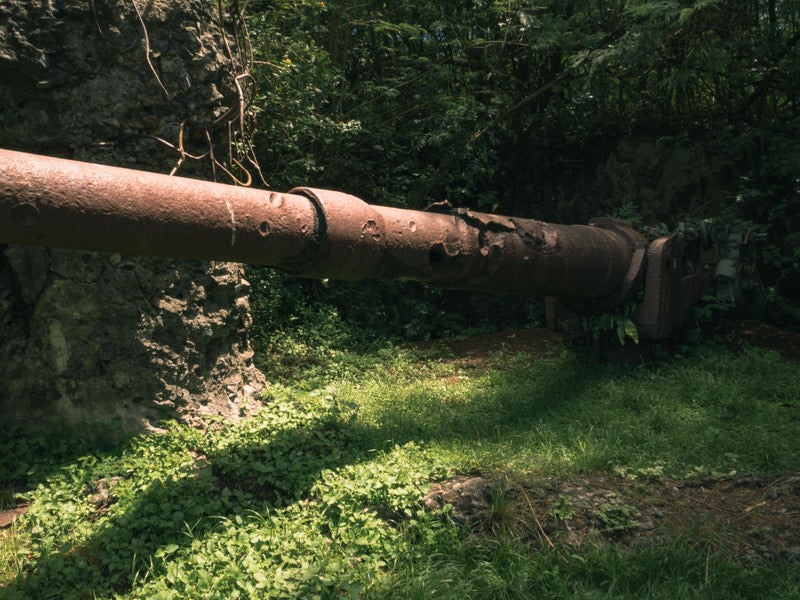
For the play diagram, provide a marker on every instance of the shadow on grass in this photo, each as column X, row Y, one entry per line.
column 174, row 511
column 504, row 402
column 258, row 474
column 30, row 458
column 703, row 414
column 253, row 476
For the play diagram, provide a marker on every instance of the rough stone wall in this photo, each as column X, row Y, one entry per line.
column 103, row 342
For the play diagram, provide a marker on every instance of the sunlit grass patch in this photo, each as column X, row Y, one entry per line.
column 708, row 412
column 321, row 492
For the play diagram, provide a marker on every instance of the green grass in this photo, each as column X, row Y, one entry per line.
column 319, row 495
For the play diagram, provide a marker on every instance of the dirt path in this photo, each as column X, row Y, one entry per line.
column 751, row 517
column 479, row 349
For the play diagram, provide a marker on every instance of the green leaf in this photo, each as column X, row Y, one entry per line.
column 627, row 329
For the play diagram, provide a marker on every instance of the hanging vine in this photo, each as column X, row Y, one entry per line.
column 238, row 163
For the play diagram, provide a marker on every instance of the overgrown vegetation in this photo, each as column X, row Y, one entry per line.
column 322, row 328
column 320, row 495
column 557, row 110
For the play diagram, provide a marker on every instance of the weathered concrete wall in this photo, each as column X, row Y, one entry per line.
column 106, row 342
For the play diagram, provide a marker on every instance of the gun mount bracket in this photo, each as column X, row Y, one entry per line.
column 632, row 281
column 341, row 256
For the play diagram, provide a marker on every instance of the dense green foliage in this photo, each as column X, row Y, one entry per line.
column 528, row 108
column 311, row 327
column 320, row 494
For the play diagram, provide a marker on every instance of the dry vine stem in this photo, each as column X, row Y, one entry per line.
column 147, row 48
column 234, row 119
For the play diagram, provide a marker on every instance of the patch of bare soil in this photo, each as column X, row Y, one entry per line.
column 8, row 516
column 479, row 351
column 761, row 335
column 752, row 518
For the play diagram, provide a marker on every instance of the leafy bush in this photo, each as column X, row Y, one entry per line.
column 307, row 327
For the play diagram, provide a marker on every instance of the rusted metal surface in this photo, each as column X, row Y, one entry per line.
column 60, row 203
column 326, row 234
column 670, row 290
column 308, row 232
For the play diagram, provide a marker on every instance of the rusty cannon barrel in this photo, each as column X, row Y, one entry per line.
column 309, row 232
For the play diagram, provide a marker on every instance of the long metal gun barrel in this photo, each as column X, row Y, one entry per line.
column 309, row 232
